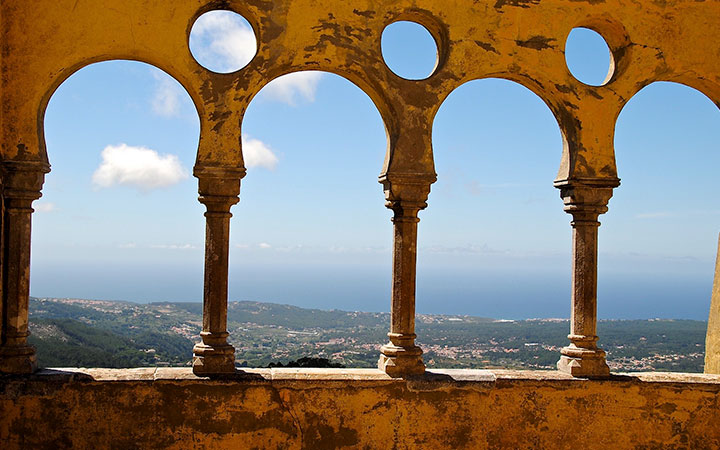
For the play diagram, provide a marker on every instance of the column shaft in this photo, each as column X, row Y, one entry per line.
column 401, row 356
column 583, row 322
column 402, row 322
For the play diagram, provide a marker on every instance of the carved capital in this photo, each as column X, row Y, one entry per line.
column 406, row 194
column 586, row 199
column 225, row 172
column 219, row 187
column 22, row 182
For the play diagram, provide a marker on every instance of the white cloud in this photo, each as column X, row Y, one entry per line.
column 464, row 249
column 174, row 246
column 128, row 245
column 222, row 41
column 264, row 245
column 166, row 98
column 288, row 88
column 140, row 167
column 257, row 154
column 44, row 207
column 653, row 215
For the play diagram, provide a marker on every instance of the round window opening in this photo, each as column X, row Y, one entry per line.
column 222, row 41
column 588, row 57
column 409, row 50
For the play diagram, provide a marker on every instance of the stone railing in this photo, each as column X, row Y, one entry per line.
column 357, row 409
column 46, row 41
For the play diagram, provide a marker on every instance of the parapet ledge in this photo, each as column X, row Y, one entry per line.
column 434, row 376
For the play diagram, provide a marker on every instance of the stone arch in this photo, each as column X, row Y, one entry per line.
column 68, row 73
column 495, row 154
column 115, row 105
column 530, row 85
column 645, row 216
column 381, row 104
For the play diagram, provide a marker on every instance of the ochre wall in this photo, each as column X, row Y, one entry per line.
column 45, row 41
column 328, row 409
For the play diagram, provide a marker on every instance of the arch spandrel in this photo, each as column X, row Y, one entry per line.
column 45, row 44
column 45, row 41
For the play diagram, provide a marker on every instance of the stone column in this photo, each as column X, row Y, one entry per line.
column 219, row 190
column 712, row 338
column 583, row 358
column 406, row 196
column 22, row 184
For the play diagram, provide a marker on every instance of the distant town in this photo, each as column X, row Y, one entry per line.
column 98, row 333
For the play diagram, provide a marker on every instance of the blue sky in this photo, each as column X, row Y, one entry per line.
column 120, row 219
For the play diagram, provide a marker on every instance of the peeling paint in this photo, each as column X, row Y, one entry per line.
column 521, row 410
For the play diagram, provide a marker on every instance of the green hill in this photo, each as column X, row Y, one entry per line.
column 74, row 332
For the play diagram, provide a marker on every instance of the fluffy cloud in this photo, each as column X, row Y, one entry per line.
column 166, row 99
column 44, row 207
column 222, row 41
column 139, row 167
column 290, row 87
column 654, row 215
column 257, row 154
column 174, row 246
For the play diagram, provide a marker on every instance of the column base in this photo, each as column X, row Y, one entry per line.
column 209, row 360
column 401, row 361
column 583, row 363
column 18, row 360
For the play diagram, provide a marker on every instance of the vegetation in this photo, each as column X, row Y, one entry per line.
column 71, row 343
column 309, row 362
column 71, row 332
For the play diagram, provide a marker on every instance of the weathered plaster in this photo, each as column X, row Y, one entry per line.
column 346, row 408
column 45, row 42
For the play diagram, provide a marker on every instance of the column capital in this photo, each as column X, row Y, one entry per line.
column 219, row 187
column 224, row 172
column 588, row 198
column 407, row 191
column 23, row 181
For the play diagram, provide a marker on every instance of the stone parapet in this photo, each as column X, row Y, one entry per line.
column 357, row 408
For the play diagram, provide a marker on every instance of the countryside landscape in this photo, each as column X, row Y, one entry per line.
column 99, row 333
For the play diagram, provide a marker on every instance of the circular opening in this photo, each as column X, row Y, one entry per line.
column 222, row 41
column 588, row 57
column 409, row 50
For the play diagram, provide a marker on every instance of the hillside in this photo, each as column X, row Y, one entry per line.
column 75, row 332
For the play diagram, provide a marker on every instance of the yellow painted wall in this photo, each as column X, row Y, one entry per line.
column 45, row 41
column 358, row 409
